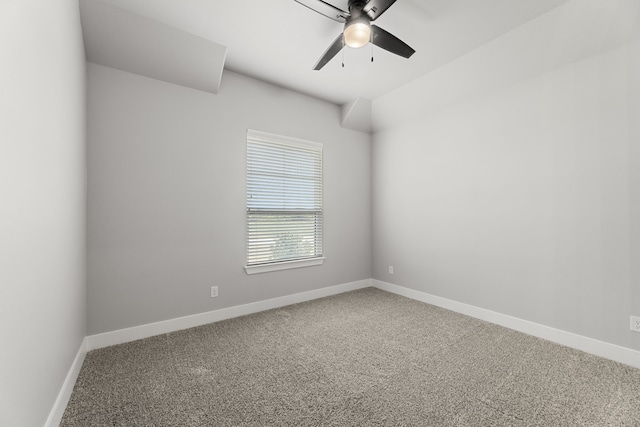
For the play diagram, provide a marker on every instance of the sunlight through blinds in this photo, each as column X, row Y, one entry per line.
column 284, row 199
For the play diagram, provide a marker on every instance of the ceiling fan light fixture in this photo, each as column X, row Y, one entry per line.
column 358, row 30
column 357, row 33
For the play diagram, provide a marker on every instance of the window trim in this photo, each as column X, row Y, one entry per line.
column 284, row 264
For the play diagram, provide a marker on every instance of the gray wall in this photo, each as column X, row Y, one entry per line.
column 166, row 196
column 524, row 201
column 42, row 204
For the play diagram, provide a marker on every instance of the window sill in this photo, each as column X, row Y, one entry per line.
column 284, row 265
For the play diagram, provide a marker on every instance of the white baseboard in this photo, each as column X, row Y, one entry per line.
column 92, row 342
column 144, row 331
column 579, row 342
column 55, row 416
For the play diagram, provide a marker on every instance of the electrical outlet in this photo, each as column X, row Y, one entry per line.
column 391, row 269
column 214, row 292
column 635, row 323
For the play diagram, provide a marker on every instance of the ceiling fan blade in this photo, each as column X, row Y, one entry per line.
column 332, row 51
column 375, row 8
column 326, row 9
column 388, row 41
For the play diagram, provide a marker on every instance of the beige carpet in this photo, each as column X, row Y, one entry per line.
column 363, row 358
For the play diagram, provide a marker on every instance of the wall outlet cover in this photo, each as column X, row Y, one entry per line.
column 635, row 323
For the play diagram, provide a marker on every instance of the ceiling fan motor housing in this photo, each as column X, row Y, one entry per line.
column 356, row 9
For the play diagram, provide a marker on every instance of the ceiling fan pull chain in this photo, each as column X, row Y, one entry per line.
column 342, row 58
column 371, row 43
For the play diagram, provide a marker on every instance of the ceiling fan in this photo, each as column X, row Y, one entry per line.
column 358, row 30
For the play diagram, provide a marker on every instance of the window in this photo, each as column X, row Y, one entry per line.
column 284, row 202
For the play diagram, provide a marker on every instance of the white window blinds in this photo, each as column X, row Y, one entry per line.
column 284, row 199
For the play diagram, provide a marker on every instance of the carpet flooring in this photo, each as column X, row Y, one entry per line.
column 363, row 358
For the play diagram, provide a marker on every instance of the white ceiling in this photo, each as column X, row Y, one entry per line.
column 279, row 41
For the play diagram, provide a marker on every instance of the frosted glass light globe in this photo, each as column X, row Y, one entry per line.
column 357, row 34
